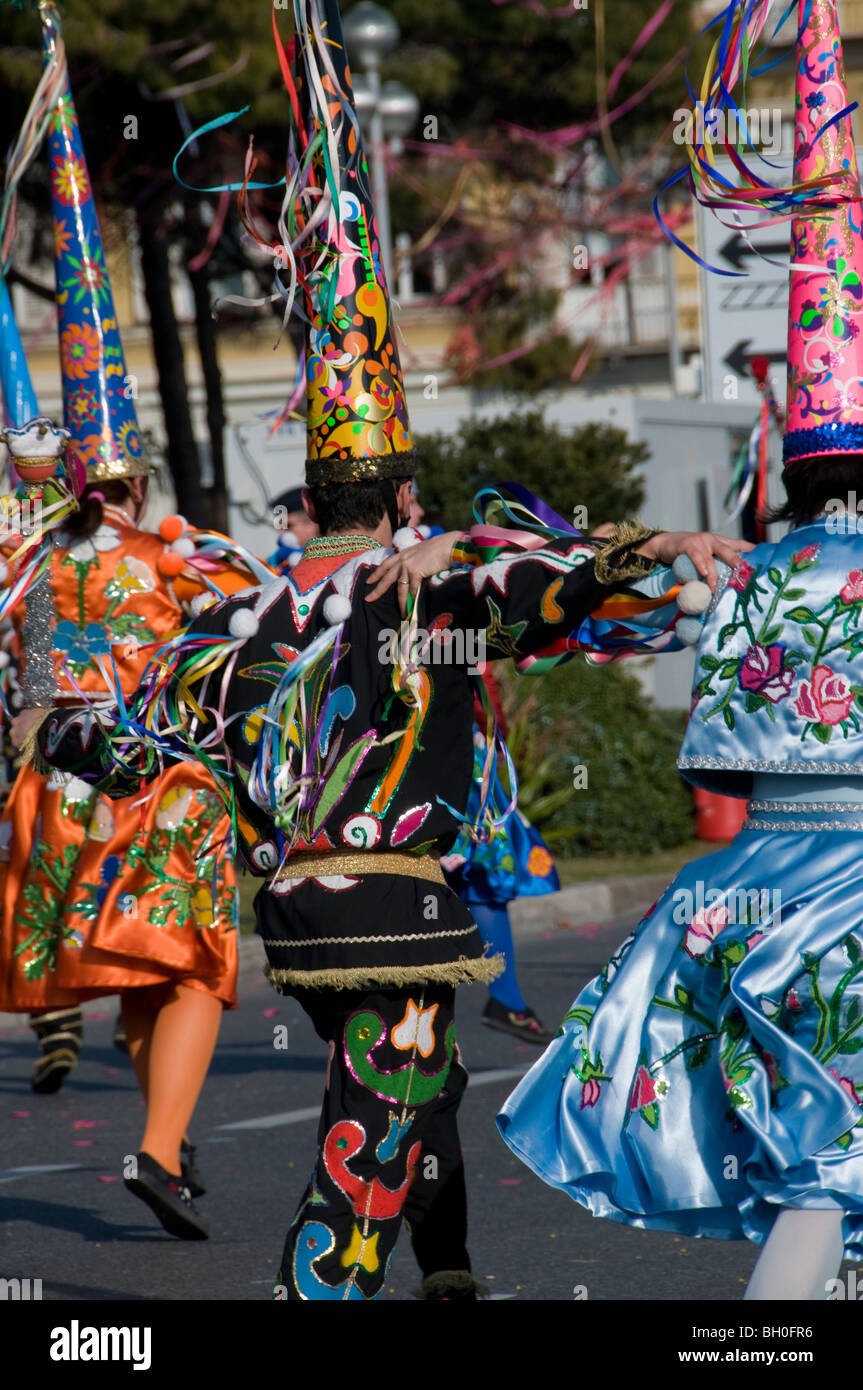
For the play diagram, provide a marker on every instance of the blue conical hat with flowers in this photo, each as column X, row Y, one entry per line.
column 98, row 409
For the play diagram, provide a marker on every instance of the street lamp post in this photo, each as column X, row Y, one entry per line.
column 391, row 110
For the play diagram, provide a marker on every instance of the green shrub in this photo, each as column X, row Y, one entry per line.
column 592, row 466
column 635, row 800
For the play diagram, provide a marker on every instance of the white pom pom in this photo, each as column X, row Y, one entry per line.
column 684, row 570
column 243, row 623
column 337, row 609
column 405, row 537
column 200, row 603
column 5, row 658
column 694, row 597
column 185, row 546
column 689, row 631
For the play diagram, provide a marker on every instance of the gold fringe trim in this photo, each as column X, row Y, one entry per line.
column 29, row 752
column 324, row 472
column 482, row 970
column 615, row 560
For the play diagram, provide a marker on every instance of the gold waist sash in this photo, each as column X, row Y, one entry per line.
column 313, row 865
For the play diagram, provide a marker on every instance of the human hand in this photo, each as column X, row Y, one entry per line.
column 700, row 546
column 408, row 568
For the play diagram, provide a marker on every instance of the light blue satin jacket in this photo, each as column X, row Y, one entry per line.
column 778, row 684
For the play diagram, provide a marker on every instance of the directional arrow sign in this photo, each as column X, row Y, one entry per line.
column 743, row 315
column 741, row 355
column 735, row 251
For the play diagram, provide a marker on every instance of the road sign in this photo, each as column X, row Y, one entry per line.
column 743, row 317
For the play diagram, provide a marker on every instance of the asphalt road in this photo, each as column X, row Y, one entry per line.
column 66, row 1218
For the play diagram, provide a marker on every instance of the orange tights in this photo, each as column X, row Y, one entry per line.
column 171, row 1035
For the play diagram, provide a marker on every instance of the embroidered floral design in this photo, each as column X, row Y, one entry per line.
column 590, row 1093
column 646, row 1092
column 852, row 590
column 84, row 642
column 587, row 1070
column 767, row 670
column 740, row 577
column 81, row 644
column 704, row 929
column 763, row 671
column 191, row 821
column 130, row 577
column 827, row 699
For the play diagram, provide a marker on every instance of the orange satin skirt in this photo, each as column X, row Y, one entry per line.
column 100, row 896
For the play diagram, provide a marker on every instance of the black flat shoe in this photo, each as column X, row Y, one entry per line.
column 169, row 1198
column 524, row 1024
column 191, row 1174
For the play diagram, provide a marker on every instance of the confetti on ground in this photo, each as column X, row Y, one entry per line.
column 83, row 1143
column 107, row 1177
column 510, row 1182
column 271, row 1013
column 84, row 1124
column 20, row 1114
column 97, row 1018
column 110, row 1071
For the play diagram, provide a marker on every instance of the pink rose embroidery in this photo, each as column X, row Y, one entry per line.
column 805, row 555
column 741, row 577
column 793, row 999
column 590, row 1093
column 852, row 591
column 826, row 699
column 846, row 1083
column 802, row 557
column 764, row 672
column 644, row 1090
column 704, row 929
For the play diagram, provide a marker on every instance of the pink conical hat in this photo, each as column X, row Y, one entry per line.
column 825, row 312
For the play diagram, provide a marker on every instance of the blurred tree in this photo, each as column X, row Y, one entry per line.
column 590, row 466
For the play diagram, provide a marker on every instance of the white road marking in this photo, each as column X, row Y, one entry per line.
column 312, row 1112
column 12, row 1174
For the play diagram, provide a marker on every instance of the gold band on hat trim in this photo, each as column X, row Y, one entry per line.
column 329, row 865
column 107, row 469
column 322, row 471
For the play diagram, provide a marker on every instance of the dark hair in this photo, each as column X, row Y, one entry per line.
column 340, row 506
column 810, row 485
column 87, row 520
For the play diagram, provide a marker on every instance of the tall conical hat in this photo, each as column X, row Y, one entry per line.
column 19, row 398
column 357, row 423
column 825, row 344
column 98, row 408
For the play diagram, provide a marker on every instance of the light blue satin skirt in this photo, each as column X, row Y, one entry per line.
column 713, row 1071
